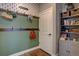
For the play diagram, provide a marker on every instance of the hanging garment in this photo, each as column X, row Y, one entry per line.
column 32, row 35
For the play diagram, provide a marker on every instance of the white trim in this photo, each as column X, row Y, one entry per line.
column 49, row 53
column 53, row 55
column 25, row 51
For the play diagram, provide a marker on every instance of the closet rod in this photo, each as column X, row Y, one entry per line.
column 17, row 13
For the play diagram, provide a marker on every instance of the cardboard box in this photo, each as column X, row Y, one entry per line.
column 65, row 14
column 75, row 12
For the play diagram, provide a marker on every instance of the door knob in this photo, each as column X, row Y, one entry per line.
column 49, row 34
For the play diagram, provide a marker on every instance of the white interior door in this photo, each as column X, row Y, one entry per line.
column 46, row 30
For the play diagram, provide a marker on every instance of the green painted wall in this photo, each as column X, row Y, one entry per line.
column 15, row 41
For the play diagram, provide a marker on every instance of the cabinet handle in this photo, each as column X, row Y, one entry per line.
column 49, row 34
column 68, row 51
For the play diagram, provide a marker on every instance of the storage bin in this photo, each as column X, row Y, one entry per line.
column 65, row 14
column 75, row 12
column 74, row 30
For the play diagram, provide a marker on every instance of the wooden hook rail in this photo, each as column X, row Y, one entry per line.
column 19, row 29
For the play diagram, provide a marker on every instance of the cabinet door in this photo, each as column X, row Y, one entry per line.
column 75, row 49
column 68, row 47
column 64, row 47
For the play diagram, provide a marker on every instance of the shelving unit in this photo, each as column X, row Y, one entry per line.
column 69, row 25
column 68, row 17
column 69, row 46
column 70, row 32
column 65, row 16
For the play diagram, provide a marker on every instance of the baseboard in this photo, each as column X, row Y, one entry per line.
column 53, row 55
column 25, row 51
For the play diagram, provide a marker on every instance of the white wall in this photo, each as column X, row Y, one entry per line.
column 44, row 6
column 33, row 7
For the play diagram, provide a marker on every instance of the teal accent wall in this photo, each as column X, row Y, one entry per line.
column 15, row 41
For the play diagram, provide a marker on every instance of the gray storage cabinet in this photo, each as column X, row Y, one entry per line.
column 68, row 48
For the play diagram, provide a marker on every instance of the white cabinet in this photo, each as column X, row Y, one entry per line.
column 75, row 49
column 68, row 48
column 64, row 47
